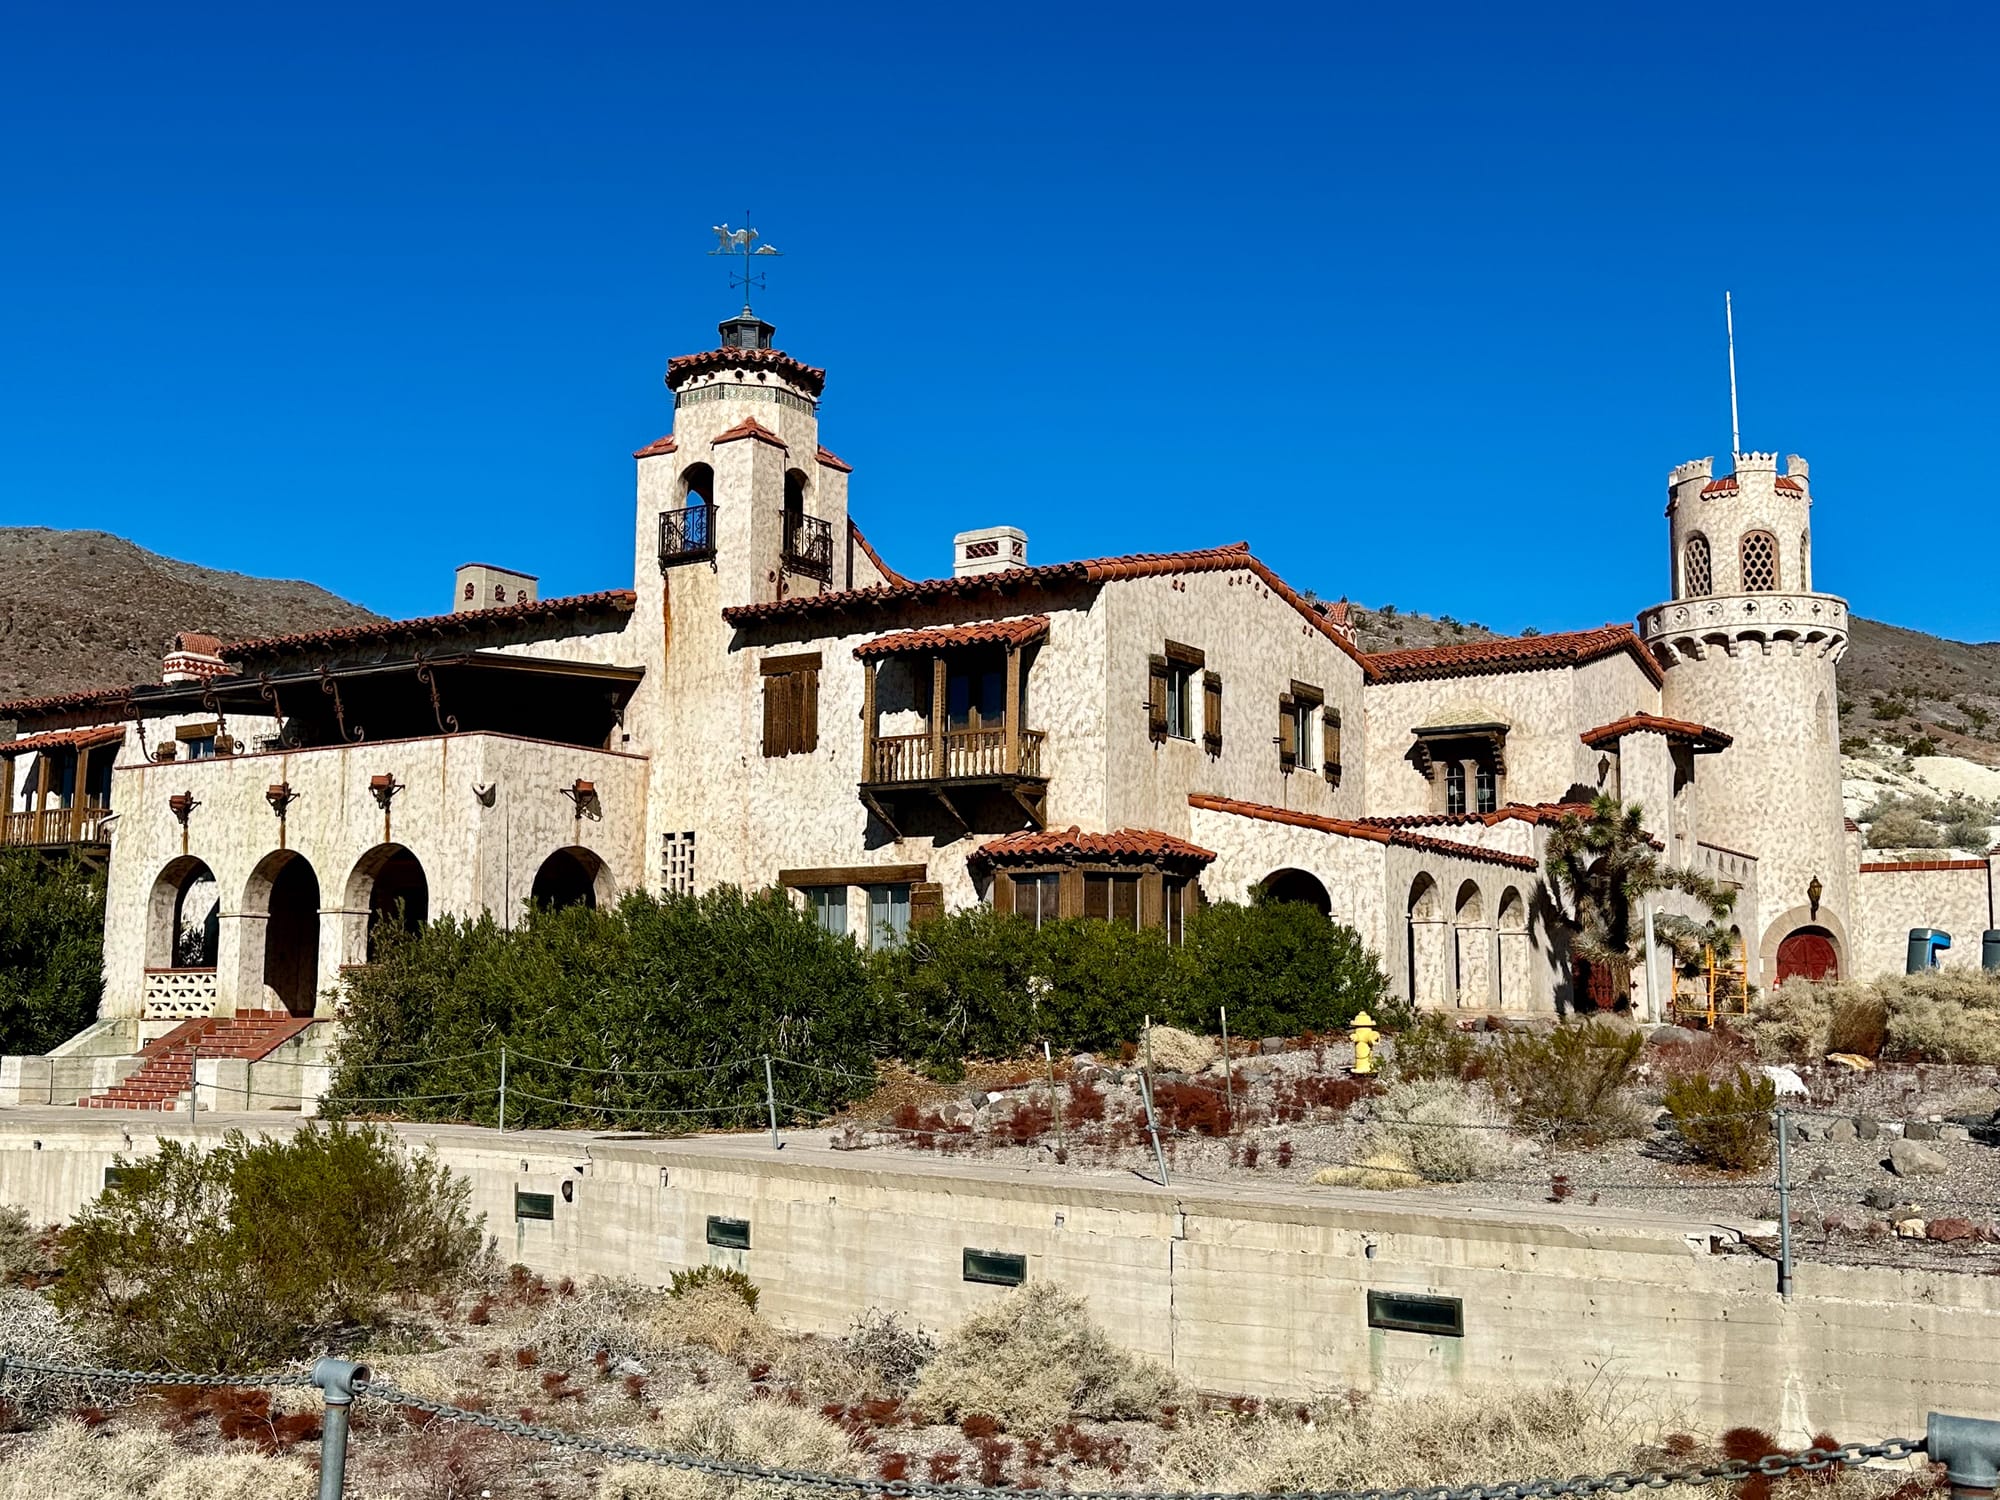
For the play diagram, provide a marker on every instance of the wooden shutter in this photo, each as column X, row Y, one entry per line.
column 1288, row 733
column 1330, row 732
column 807, row 736
column 777, row 714
column 1156, row 698
column 791, row 703
column 1097, row 896
column 926, row 902
column 1211, row 712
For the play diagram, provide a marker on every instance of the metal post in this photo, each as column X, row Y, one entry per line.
column 1228, row 1072
column 335, row 1377
column 1653, row 996
column 1969, row 1449
column 1784, row 1204
column 1055, row 1099
column 771, row 1101
column 1153, row 1128
column 503, row 1088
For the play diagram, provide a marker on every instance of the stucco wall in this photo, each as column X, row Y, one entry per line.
column 1890, row 903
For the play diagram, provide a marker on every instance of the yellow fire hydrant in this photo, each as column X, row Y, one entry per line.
column 1365, row 1037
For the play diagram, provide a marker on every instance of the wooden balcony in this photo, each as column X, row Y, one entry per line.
column 960, row 771
column 54, row 828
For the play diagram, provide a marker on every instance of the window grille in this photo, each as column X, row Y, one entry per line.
column 1700, row 577
column 677, row 863
column 1760, row 562
column 1454, row 787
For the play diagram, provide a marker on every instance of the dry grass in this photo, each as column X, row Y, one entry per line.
column 1177, row 1051
column 69, row 1459
column 1950, row 1016
column 1035, row 1360
column 1449, row 1131
column 31, row 1327
column 1379, row 1171
column 715, row 1425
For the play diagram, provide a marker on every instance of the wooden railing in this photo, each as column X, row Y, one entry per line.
column 53, row 826
column 968, row 753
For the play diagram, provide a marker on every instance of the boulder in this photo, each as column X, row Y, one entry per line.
column 1790, row 1085
column 627, row 1366
column 1914, row 1159
column 1881, row 1199
column 1271, row 1045
column 1911, row 1229
column 1176, row 1051
column 1670, row 1036
column 1954, row 1133
column 1919, row 1130
column 1845, row 1220
column 1852, row 1061
column 1949, row 1230
column 1867, row 1128
column 1842, row 1133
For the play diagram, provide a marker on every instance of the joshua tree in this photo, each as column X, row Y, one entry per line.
column 1601, row 867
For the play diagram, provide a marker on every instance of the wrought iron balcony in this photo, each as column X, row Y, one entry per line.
column 687, row 535
column 809, row 546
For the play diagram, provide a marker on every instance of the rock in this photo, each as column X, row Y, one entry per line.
column 1911, row 1159
column 1672, row 1036
column 1919, row 1130
column 1842, row 1133
column 1820, row 1173
column 1084, row 1060
column 1854, row 1062
column 1178, row 1051
column 1881, row 1199
column 1954, row 1133
column 1949, row 1230
column 1911, row 1229
column 1789, row 1083
column 628, row 1366
column 1989, row 1233
column 1271, row 1045
column 1805, row 1130
column 1879, row 1228
column 1867, row 1128
column 1845, row 1221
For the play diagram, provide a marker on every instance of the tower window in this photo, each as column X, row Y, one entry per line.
column 1760, row 562
column 1454, row 786
column 1485, row 789
column 1698, row 576
column 1805, row 561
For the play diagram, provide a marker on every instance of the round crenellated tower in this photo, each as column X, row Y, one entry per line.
column 1748, row 647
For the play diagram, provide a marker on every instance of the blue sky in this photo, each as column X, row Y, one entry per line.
column 1423, row 302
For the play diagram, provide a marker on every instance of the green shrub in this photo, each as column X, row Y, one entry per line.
column 1281, row 969
column 51, row 950
column 1726, row 1122
column 696, row 1279
column 651, row 986
column 259, row 1250
column 1433, row 1047
column 1570, row 1083
column 22, row 1257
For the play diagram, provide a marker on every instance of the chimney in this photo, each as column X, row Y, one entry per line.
column 194, row 657
column 483, row 586
column 991, row 549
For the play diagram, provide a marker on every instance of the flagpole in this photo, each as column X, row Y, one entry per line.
column 1729, row 321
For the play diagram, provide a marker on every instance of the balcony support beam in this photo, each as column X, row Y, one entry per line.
column 939, row 718
column 1010, row 719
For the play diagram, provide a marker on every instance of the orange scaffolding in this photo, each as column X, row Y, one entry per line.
column 1721, row 987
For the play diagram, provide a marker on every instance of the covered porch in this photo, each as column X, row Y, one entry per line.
column 56, row 788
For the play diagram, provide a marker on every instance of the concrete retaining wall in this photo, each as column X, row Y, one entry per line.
column 1252, row 1289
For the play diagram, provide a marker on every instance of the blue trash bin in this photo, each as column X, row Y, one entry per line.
column 1926, row 943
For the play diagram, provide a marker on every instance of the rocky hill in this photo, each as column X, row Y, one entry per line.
column 84, row 609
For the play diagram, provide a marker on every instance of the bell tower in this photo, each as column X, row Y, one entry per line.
column 1749, row 647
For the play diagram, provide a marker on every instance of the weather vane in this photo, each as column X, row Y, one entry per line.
column 742, row 242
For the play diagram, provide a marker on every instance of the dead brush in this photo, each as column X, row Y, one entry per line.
column 1191, row 1108
column 1085, row 1105
column 1029, row 1122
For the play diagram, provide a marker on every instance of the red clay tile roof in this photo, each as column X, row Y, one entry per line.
column 684, row 367
column 1536, row 813
column 1726, row 485
column 1232, row 558
column 1351, row 828
column 749, row 427
column 1700, row 736
column 576, row 606
column 1336, row 611
column 654, row 449
column 1922, row 866
column 62, row 739
column 1521, row 653
column 834, row 461
column 894, row 579
column 198, row 642
column 56, row 703
column 1127, row 844
column 1016, row 632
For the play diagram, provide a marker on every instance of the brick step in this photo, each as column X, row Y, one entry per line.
column 167, row 1067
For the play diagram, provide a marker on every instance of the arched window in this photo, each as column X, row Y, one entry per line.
column 1760, row 562
column 795, row 494
column 697, row 485
column 1698, row 573
column 1805, row 561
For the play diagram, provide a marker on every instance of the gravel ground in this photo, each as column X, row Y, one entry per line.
column 1846, row 1201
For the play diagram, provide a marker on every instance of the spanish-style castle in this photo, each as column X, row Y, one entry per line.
column 1123, row 737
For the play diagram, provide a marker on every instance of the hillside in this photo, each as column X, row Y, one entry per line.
column 84, row 609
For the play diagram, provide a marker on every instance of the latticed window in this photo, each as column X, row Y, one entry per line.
column 1760, row 562
column 1700, row 577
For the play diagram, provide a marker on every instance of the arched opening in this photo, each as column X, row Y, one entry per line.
column 795, row 497
column 388, row 884
column 1430, row 944
column 697, row 485
column 1759, row 558
column 285, row 891
column 1808, row 953
column 1698, row 568
column 1294, row 885
column 1472, row 952
column 184, row 917
column 570, row 877
column 1516, row 952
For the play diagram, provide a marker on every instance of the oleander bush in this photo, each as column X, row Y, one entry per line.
column 51, row 950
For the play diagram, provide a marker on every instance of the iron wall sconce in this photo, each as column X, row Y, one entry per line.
column 384, row 789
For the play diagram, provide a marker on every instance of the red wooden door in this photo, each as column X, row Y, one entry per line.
column 1809, row 954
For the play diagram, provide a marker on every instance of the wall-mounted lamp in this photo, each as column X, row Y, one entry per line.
column 1814, row 890
column 280, row 797
column 584, row 795
column 180, row 805
column 384, row 789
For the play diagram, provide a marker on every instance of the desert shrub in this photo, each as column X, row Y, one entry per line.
column 1034, row 1360
column 1711, row 1054
column 1947, row 1016
column 257, row 1250
column 1570, row 1083
column 1432, row 1046
column 1447, row 1130
column 1921, row 821
column 1792, row 1021
column 32, row 1328
column 717, row 1425
column 70, row 1459
column 1858, row 1023
column 895, row 1349
column 605, row 1316
column 698, row 1279
column 21, row 1255
column 654, row 984
column 1380, row 1170
column 51, row 950
column 1725, row 1123
column 710, row 1315
column 1281, row 969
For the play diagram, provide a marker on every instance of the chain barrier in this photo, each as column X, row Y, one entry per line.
column 249, row 1380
